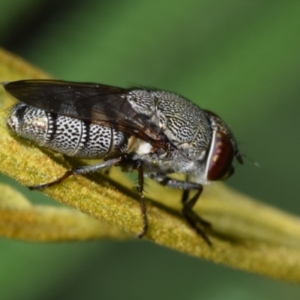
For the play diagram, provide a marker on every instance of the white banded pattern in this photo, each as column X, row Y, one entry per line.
column 69, row 136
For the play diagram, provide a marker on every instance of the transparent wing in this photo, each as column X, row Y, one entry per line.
column 97, row 103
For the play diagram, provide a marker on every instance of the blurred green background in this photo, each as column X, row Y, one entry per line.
column 238, row 58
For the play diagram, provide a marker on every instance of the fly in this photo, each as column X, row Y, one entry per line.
column 154, row 132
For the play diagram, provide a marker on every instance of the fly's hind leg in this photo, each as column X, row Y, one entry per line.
column 77, row 171
column 97, row 167
column 193, row 219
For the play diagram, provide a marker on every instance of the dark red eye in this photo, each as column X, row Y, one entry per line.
column 220, row 157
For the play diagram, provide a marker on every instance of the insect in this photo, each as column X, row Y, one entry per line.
column 154, row 132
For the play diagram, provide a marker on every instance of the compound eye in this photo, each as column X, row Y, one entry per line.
column 219, row 160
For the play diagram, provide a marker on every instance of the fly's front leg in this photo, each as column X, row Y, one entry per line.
column 140, row 189
column 187, row 210
column 77, row 171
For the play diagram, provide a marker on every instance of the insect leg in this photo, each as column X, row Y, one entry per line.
column 77, row 171
column 187, row 210
column 140, row 189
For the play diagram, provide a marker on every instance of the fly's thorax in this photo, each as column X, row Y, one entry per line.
column 184, row 124
column 69, row 136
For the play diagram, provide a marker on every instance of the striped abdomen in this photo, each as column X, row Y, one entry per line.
column 72, row 137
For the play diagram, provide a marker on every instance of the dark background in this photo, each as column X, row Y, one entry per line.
column 238, row 58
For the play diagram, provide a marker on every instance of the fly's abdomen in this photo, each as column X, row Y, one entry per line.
column 72, row 137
